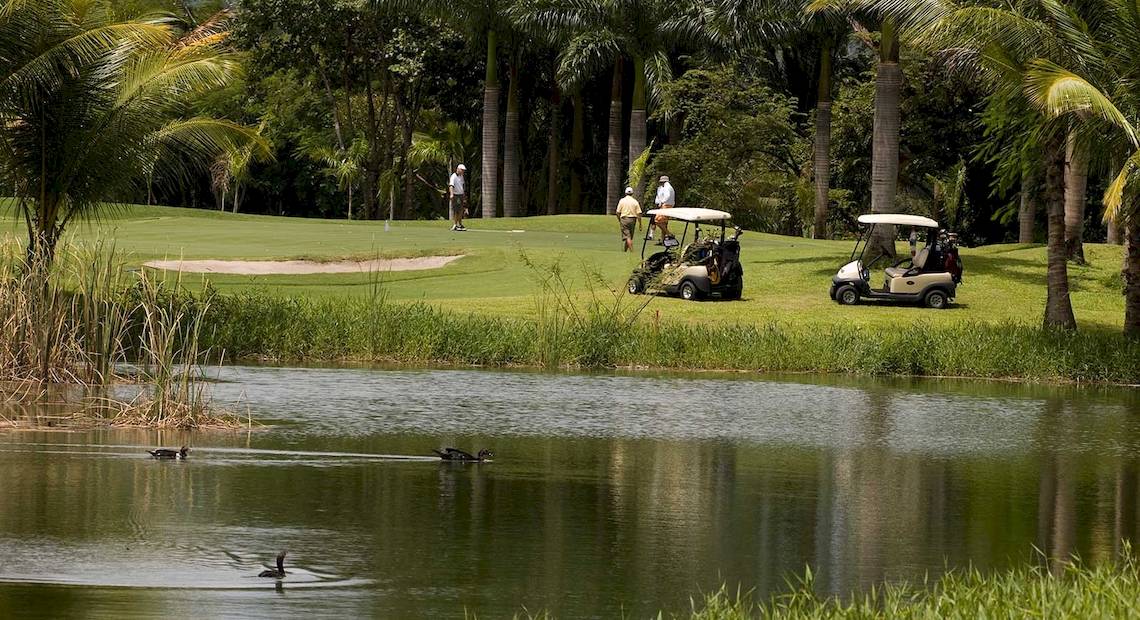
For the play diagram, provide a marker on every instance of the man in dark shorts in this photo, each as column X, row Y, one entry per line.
column 457, row 197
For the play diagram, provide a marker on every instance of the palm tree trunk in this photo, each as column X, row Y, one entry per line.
column 350, row 201
column 637, row 119
column 885, row 137
column 1131, row 272
column 335, row 108
column 674, row 128
column 1076, row 179
column 552, row 163
column 371, row 172
column 1113, row 237
column 821, row 149
column 613, row 161
column 577, row 144
column 490, row 176
column 406, row 167
column 1058, row 305
column 511, row 148
column 1027, row 212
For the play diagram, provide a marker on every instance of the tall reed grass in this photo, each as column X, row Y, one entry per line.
column 610, row 330
column 1076, row 591
column 73, row 327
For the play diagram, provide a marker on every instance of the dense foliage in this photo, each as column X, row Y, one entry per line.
column 362, row 101
column 367, row 105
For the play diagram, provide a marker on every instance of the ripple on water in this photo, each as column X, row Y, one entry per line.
column 137, row 564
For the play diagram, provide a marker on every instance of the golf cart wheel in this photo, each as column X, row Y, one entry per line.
column 847, row 295
column 689, row 291
column 635, row 286
column 936, row 299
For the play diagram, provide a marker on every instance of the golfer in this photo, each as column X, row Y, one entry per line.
column 666, row 199
column 628, row 213
column 457, row 197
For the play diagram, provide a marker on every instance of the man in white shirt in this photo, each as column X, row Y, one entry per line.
column 457, row 197
column 666, row 199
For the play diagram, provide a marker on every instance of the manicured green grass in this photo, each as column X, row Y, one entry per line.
column 786, row 278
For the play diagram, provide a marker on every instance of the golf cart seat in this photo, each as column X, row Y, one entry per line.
column 916, row 265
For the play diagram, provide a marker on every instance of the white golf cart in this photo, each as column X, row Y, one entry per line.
column 709, row 267
column 929, row 276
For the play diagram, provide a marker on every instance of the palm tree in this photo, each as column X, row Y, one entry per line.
column 821, row 144
column 1005, row 45
column 1027, row 211
column 345, row 165
column 483, row 21
column 1076, row 182
column 490, row 128
column 831, row 29
column 601, row 34
column 888, row 94
column 92, row 107
column 511, row 176
column 1074, row 65
column 885, row 133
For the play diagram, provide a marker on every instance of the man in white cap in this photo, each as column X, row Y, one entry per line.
column 666, row 199
column 457, row 197
column 628, row 213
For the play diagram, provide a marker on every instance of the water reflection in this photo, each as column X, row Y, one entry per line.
column 608, row 493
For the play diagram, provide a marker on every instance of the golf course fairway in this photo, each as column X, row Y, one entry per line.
column 786, row 278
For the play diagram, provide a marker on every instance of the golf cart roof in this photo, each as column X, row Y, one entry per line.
column 691, row 214
column 897, row 219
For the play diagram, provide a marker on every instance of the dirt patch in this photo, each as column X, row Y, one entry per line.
column 301, row 267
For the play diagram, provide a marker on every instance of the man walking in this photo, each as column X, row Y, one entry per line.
column 666, row 199
column 628, row 213
column 457, row 198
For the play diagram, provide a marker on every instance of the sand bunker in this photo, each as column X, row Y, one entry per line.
column 301, row 267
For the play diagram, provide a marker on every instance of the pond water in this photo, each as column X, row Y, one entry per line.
column 609, row 494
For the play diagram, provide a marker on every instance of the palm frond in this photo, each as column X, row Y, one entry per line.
column 585, row 55
column 1122, row 183
column 1057, row 91
column 46, row 69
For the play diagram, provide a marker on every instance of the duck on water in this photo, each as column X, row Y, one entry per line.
column 455, row 454
column 169, row 453
column 275, row 573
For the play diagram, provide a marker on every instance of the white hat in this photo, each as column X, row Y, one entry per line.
column 628, row 191
column 461, row 167
column 663, row 179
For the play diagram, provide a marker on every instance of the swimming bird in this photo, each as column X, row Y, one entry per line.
column 455, row 454
column 169, row 453
column 279, row 572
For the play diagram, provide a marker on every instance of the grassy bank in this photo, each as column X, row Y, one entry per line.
column 611, row 333
column 1109, row 591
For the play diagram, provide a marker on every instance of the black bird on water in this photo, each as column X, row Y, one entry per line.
column 279, row 572
column 455, row 454
column 169, row 453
